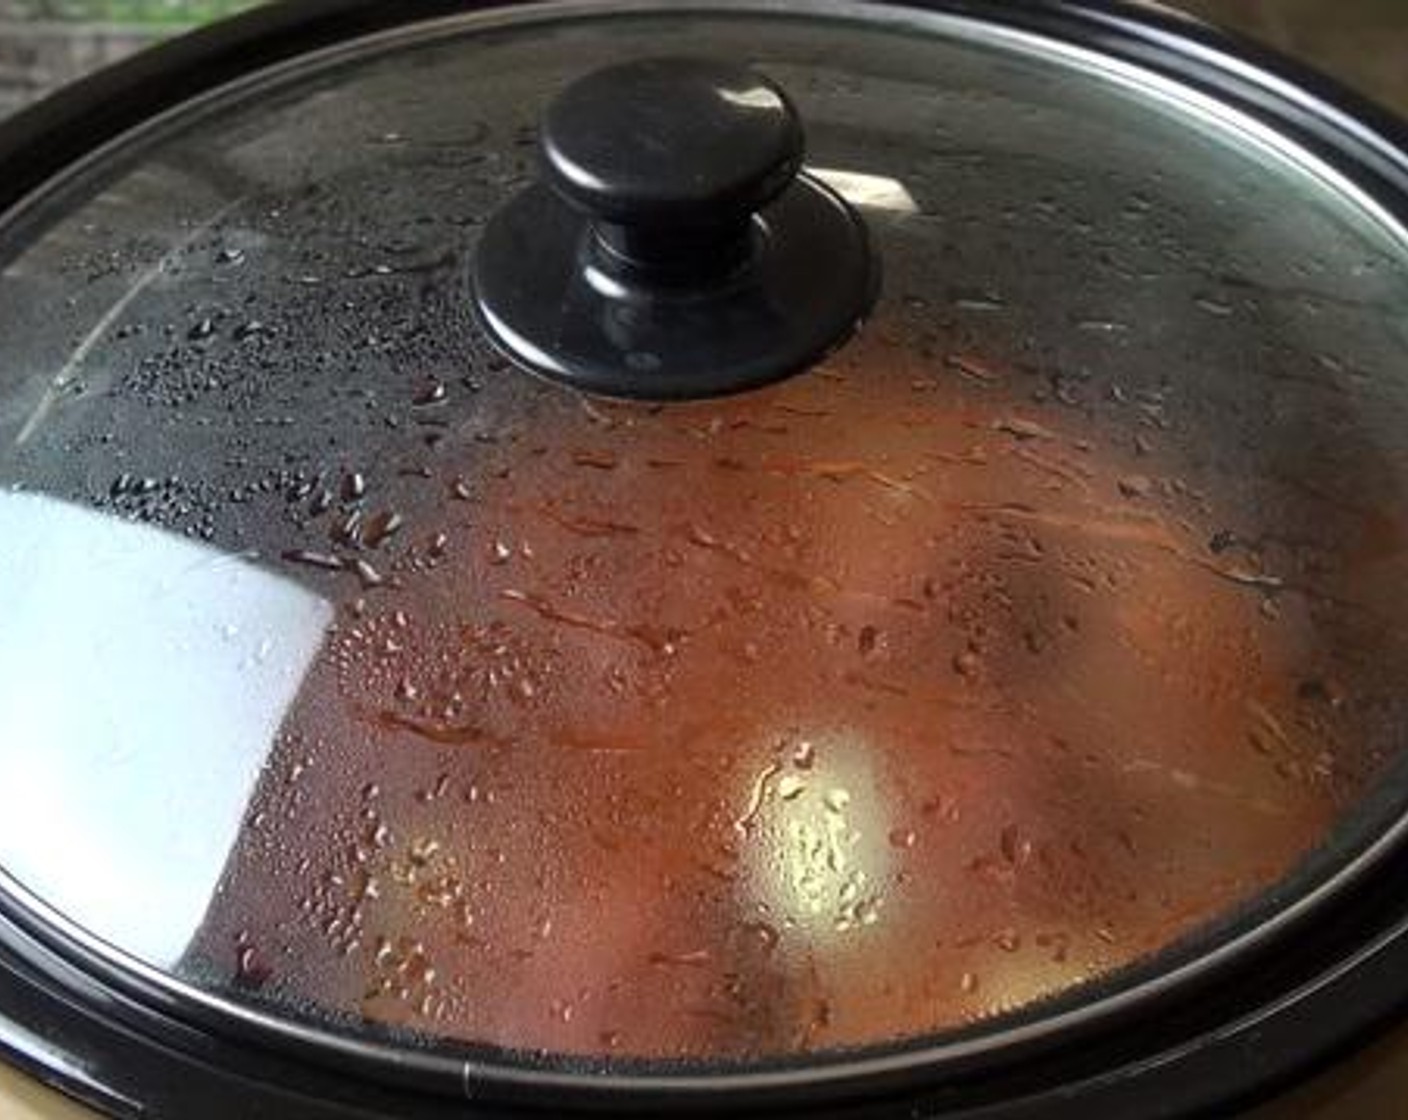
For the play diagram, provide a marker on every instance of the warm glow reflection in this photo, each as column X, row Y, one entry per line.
column 818, row 826
column 1010, row 981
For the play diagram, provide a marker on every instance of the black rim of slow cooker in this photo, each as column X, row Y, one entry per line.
column 127, row 1043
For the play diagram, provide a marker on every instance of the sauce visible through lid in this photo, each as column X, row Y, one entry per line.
column 860, row 708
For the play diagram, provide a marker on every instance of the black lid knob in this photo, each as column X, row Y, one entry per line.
column 671, row 141
column 675, row 249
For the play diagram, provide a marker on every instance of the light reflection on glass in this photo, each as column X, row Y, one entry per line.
column 821, row 859
column 872, row 192
column 754, row 97
column 143, row 679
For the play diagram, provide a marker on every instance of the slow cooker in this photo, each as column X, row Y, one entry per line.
column 731, row 557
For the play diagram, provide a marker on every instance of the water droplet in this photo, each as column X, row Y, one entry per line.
column 1213, row 306
column 251, row 970
column 368, row 575
column 766, row 936
column 324, row 560
column 903, row 838
column 432, row 392
column 1102, row 326
column 347, row 529
column 866, row 640
column 1014, row 847
column 690, row 959
column 970, row 368
column 423, row 851
column 967, row 663
column 1023, row 429
column 354, row 486
column 381, row 527
column 1320, row 691
column 1221, row 541
column 1058, row 943
column 1136, row 486
column 978, row 301
column 596, row 460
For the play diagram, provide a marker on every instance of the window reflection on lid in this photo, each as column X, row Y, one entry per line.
column 143, row 678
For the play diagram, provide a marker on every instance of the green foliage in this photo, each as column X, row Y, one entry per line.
column 181, row 13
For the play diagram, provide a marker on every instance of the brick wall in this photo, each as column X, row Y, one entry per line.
column 45, row 43
column 37, row 56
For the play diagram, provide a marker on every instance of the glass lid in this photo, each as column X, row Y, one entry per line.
column 372, row 661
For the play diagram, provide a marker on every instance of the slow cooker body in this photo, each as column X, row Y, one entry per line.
column 1290, row 964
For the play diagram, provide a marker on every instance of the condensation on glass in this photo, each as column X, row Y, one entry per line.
column 350, row 672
